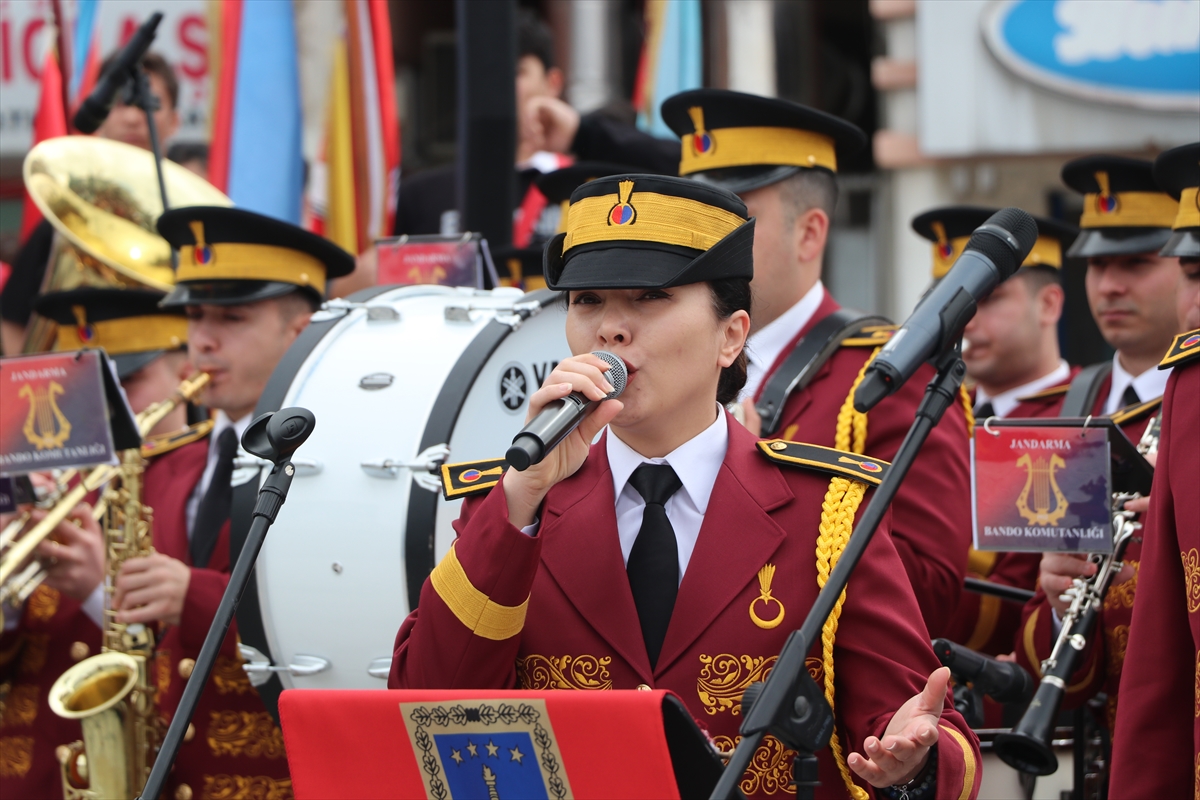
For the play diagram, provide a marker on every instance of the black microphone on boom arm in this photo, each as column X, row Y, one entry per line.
column 95, row 108
column 993, row 253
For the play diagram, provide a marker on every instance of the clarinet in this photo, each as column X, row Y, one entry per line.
column 1027, row 747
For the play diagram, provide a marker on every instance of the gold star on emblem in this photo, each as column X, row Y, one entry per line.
column 457, row 756
column 517, row 755
column 493, row 750
column 473, row 749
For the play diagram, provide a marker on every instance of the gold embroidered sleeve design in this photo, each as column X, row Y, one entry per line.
column 589, row 673
column 472, row 607
column 770, row 770
column 229, row 677
column 42, row 605
column 33, row 654
column 21, row 706
column 1121, row 595
column 1191, row 574
column 1118, row 640
column 246, row 787
column 1197, row 692
column 724, row 678
column 968, row 761
column 244, row 733
column 16, row 756
column 162, row 672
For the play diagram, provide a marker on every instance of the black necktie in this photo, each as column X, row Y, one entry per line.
column 653, row 566
column 1130, row 396
column 217, row 502
column 985, row 410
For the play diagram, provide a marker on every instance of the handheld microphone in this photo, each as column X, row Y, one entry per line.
column 95, row 108
column 993, row 253
column 556, row 421
column 1003, row 681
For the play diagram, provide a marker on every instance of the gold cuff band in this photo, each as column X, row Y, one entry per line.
column 472, row 607
column 235, row 261
column 129, row 335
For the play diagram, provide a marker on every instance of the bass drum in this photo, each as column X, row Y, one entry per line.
column 400, row 380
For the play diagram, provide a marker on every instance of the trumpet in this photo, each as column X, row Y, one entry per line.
column 1027, row 746
column 18, row 579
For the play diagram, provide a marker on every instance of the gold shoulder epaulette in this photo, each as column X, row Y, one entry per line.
column 166, row 442
column 1185, row 347
column 1053, row 391
column 825, row 459
column 871, row 336
column 471, row 477
column 1136, row 411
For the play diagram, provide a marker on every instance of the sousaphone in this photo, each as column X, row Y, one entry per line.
column 102, row 198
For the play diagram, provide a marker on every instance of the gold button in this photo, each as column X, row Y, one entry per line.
column 644, row 688
column 186, row 665
column 184, row 792
column 63, row 754
column 80, row 651
column 190, row 733
column 778, row 445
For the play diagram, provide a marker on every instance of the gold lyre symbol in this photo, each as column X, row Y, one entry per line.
column 45, row 426
column 765, row 576
column 1040, row 478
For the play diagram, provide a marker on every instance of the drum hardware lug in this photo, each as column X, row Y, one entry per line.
column 424, row 467
column 259, row 668
column 514, row 317
column 332, row 309
column 305, row 467
column 380, row 667
column 458, row 313
column 382, row 314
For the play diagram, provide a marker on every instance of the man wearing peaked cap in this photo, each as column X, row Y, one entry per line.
column 1130, row 287
column 781, row 158
column 1011, row 352
column 1164, row 633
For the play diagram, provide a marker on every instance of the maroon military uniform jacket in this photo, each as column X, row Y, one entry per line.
column 1160, row 686
column 931, row 515
column 236, row 749
column 558, row 613
column 984, row 622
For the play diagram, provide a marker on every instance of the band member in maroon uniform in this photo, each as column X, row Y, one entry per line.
column 1157, row 716
column 670, row 552
column 1011, row 351
column 781, row 159
column 60, row 623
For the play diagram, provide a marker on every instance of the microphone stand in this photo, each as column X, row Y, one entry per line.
column 270, row 498
column 790, row 705
column 148, row 103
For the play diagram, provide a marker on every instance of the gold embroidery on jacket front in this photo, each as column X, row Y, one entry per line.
column 770, row 769
column 244, row 733
column 584, row 672
column 16, row 756
column 245, row 787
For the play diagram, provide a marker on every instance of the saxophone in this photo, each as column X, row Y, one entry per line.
column 111, row 693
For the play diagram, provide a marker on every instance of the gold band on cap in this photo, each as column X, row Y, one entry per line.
column 128, row 335
column 752, row 147
column 1108, row 209
column 1047, row 252
column 651, row 217
column 1189, row 209
column 237, row 261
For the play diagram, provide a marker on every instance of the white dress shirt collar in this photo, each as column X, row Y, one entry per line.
column 768, row 342
column 221, row 423
column 1005, row 402
column 1149, row 385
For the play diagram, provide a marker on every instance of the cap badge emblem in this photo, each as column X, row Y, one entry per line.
column 202, row 254
column 1190, row 341
column 944, row 247
column 623, row 213
column 702, row 141
column 765, row 576
column 1106, row 201
column 83, row 330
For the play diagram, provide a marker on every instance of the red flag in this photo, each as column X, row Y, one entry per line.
column 49, row 121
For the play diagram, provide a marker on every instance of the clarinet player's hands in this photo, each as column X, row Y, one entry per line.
column 524, row 491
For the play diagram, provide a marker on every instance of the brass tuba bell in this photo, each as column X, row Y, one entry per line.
column 103, row 200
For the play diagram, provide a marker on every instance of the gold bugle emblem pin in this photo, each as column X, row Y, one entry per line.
column 765, row 576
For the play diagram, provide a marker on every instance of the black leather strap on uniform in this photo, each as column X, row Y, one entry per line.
column 1084, row 388
column 806, row 359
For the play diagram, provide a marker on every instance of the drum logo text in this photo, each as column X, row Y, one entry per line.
column 514, row 387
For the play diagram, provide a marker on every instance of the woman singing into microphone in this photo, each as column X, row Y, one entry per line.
column 678, row 552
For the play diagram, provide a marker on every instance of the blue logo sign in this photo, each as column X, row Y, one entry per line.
column 1142, row 53
column 497, row 765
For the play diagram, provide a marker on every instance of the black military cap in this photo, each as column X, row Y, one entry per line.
column 519, row 266
column 650, row 231
column 949, row 228
column 1124, row 211
column 127, row 324
column 229, row 256
column 1177, row 173
column 743, row 141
